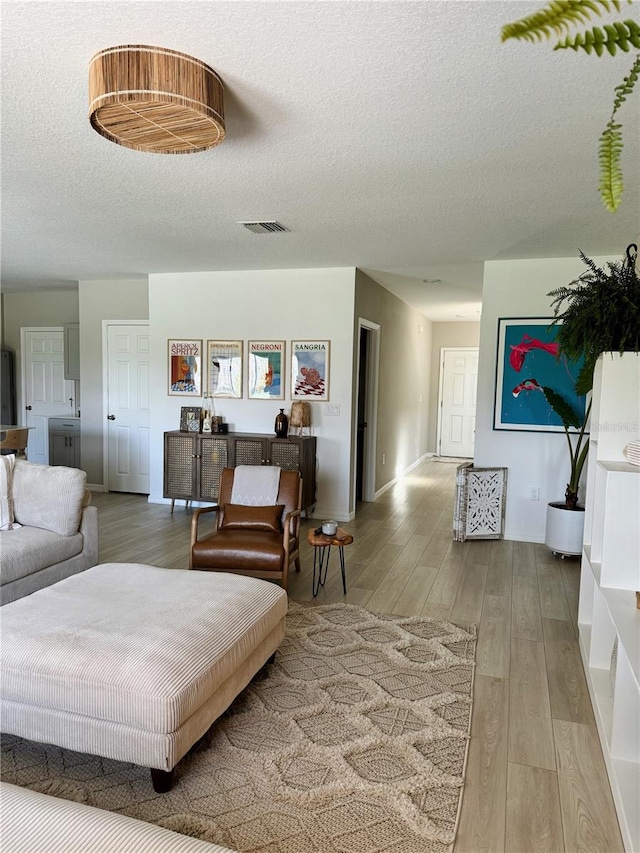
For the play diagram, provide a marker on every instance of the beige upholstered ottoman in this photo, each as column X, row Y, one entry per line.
column 133, row 662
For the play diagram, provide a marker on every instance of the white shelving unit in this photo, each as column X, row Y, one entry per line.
column 608, row 619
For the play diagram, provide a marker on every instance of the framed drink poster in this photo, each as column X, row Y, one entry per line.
column 224, row 368
column 266, row 367
column 185, row 367
column 310, row 370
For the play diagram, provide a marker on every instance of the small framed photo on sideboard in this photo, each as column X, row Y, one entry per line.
column 190, row 418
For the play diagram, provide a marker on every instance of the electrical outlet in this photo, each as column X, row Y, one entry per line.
column 534, row 494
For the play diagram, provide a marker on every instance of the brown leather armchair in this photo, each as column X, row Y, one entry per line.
column 258, row 541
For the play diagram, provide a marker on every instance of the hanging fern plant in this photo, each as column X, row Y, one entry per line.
column 599, row 312
column 555, row 20
column 610, row 149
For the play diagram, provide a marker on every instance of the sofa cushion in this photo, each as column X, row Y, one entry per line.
column 31, row 549
column 49, row 497
column 6, row 491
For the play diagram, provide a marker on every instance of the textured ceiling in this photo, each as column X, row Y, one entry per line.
column 398, row 137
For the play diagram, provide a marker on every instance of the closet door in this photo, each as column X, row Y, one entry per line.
column 128, row 416
column 46, row 393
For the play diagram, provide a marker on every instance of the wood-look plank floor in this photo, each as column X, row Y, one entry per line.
column 536, row 779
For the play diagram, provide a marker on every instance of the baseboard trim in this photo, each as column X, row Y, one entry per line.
column 523, row 537
column 395, row 480
column 97, row 487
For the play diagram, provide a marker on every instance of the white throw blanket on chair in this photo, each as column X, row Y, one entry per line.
column 256, row 485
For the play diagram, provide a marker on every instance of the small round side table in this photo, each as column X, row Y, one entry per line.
column 321, row 553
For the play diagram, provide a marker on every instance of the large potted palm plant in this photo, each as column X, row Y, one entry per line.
column 599, row 312
column 565, row 519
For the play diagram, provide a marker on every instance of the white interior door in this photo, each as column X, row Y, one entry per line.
column 45, row 391
column 458, row 387
column 128, row 408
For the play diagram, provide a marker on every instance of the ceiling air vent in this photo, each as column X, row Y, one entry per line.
column 264, row 227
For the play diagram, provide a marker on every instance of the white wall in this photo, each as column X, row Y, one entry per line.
column 45, row 307
column 36, row 308
column 313, row 304
column 519, row 289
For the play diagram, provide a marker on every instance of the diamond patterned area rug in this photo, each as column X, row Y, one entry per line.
column 353, row 741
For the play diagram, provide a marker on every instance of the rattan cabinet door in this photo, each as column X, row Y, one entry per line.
column 179, row 465
column 297, row 453
column 249, row 451
column 213, row 457
column 286, row 454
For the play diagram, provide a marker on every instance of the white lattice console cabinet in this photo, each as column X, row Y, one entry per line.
column 480, row 501
column 609, row 621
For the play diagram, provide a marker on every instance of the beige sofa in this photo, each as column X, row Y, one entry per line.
column 35, row 823
column 58, row 535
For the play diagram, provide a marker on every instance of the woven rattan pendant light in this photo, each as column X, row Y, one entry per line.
column 154, row 99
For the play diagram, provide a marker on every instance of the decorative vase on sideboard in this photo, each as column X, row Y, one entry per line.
column 281, row 424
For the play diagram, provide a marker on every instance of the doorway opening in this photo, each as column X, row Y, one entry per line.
column 366, row 410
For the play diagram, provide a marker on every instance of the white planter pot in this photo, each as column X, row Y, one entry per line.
column 565, row 530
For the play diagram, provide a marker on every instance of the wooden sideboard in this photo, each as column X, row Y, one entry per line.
column 193, row 462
